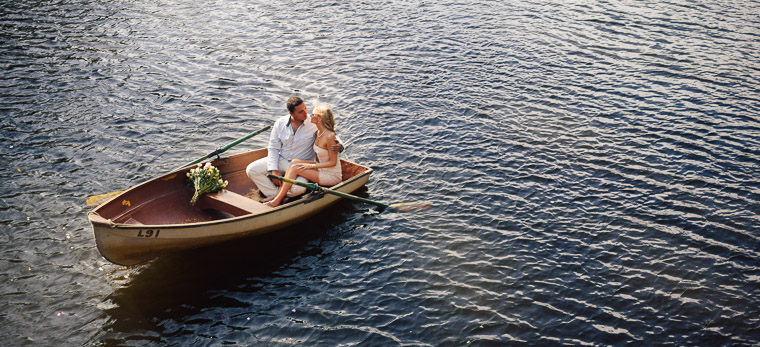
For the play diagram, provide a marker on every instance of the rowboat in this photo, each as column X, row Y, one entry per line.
column 156, row 217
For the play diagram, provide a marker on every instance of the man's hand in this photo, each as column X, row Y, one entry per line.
column 276, row 181
column 336, row 148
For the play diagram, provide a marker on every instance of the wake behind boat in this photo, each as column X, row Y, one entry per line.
column 156, row 217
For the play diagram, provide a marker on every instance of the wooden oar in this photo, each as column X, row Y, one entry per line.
column 98, row 199
column 223, row 149
column 403, row 206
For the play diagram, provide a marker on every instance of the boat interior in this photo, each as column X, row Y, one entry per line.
column 166, row 200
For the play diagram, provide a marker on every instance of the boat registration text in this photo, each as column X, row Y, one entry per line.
column 148, row 233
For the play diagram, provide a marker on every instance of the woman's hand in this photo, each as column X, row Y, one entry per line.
column 305, row 166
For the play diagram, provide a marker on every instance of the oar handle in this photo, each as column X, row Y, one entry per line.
column 317, row 188
column 246, row 137
column 223, row 149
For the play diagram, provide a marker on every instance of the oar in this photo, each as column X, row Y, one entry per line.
column 223, row 149
column 403, row 206
column 98, row 199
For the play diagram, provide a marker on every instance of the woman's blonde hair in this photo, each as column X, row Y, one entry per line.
column 325, row 112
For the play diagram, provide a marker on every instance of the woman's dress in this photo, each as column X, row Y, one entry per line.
column 328, row 176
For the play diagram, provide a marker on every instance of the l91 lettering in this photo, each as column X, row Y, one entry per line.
column 148, row 233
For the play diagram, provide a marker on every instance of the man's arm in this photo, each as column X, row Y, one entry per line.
column 338, row 147
column 274, row 147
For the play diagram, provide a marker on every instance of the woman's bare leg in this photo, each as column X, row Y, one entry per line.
column 270, row 198
column 292, row 173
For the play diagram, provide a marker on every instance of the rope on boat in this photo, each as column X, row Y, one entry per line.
column 111, row 224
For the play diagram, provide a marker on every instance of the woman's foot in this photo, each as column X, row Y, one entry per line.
column 271, row 201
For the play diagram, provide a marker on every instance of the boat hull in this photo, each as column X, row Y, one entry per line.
column 126, row 239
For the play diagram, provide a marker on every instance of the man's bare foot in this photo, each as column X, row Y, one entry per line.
column 267, row 199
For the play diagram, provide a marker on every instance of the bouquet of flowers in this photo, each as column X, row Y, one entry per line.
column 205, row 179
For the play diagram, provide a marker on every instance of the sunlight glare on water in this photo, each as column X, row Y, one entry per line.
column 591, row 168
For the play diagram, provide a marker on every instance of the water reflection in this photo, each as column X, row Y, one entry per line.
column 228, row 276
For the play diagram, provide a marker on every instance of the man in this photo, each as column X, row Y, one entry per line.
column 292, row 137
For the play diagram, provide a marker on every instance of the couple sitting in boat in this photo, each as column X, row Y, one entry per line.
column 296, row 140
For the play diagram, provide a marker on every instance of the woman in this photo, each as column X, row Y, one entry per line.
column 326, row 170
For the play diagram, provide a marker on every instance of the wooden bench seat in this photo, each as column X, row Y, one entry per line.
column 232, row 203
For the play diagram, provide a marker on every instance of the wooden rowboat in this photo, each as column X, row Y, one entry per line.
column 155, row 217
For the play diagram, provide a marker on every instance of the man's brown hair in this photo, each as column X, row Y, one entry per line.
column 293, row 102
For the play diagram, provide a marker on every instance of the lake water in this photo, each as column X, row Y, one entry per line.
column 594, row 170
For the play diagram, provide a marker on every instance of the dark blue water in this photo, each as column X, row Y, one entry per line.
column 594, row 169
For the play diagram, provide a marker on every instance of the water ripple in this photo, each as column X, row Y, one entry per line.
column 592, row 168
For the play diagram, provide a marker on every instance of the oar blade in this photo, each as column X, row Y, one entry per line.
column 96, row 200
column 411, row 206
